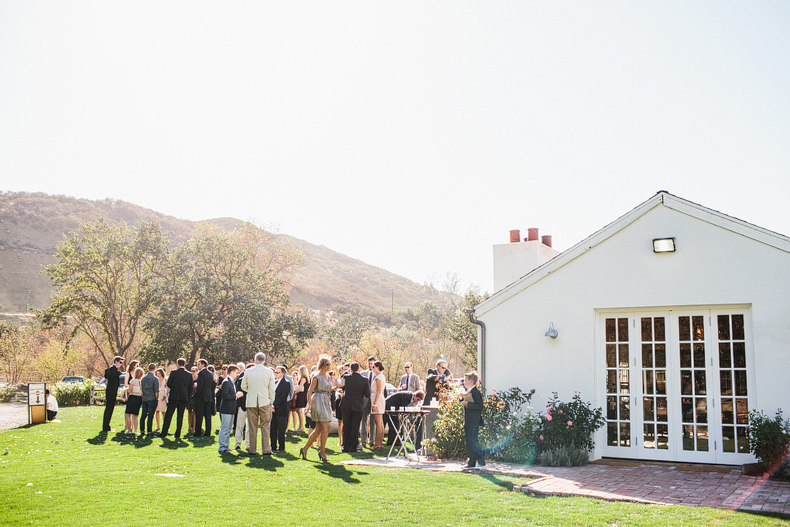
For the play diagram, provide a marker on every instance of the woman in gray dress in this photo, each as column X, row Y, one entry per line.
column 318, row 397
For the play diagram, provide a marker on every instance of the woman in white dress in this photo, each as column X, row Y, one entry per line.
column 377, row 406
column 161, row 406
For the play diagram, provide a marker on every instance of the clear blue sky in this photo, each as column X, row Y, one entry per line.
column 410, row 135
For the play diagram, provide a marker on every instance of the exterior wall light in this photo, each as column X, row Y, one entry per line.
column 664, row 245
column 552, row 332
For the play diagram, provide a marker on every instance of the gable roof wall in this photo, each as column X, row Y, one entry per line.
column 661, row 198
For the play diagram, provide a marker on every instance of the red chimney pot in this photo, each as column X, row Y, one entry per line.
column 546, row 240
column 532, row 234
column 515, row 236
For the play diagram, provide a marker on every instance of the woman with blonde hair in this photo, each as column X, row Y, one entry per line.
column 134, row 402
column 300, row 394
column 318, row 397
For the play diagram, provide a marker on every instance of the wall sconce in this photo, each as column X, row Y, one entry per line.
column 552, row 332
column 664, row 245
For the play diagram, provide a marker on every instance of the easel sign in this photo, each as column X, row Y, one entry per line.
column 37, row 402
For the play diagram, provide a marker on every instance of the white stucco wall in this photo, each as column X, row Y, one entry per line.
column 711, row 267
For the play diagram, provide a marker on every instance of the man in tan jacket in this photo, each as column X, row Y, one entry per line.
column 258, row 382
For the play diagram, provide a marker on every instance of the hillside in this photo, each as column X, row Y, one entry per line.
column 31, row 224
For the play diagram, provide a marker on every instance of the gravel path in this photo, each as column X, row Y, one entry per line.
column 12, row 415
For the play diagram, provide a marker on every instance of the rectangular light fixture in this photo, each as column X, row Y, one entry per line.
column 664, row 245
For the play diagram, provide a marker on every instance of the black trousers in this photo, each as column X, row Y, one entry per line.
column 109, row 406
column 203, row 410
column 277, row 431
column 172, row 406
column 473, row 450
column 351, row 422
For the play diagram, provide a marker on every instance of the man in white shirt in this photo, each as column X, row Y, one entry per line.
column 52, row 406
column 258, row 382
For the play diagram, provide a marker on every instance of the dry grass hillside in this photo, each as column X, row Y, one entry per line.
column 31, row 224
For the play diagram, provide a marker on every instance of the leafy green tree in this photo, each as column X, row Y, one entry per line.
column 103, row 281
column 216, row 303
column 460, row 330
column 345, row 336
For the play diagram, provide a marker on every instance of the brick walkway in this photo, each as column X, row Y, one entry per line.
column 659, row 483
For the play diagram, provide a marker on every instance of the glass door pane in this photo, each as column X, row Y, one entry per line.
column 733, row 385
column 693, row 384
column 618, row 383
column 655, row 422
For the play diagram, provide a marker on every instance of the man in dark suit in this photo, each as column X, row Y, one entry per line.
column 356, row 390
column 395, row 401
column 282, row 389
column 113, row 376
column 227, row 407
column 204, row 398
column 180, row 384
column 473, row 420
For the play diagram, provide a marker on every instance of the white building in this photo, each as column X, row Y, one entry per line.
column 676, row 347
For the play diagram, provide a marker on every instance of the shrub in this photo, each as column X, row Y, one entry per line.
column 72, row 393
column 563, row 456
column 7, row 393
column 568, row 426
column 507, row 431
column 769, row 439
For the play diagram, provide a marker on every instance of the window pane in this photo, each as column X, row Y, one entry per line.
column 661, row 409
column 685, row 328
column 702, row 410
column 647, row 330
column 685, row 355
column 625, row 385
column 661, row 356
column 728, row 438
column 702, row 438
column 698, row 328
column 687, row 407
column 625, row 408
column 623, row 362
column 699, row 355
column 727, row 416
column 743, row 439
column 611, row 381
column 625, row 434
column 737, row 327
column 661, row 382
column 742, row 411
column 725, row 357
column 663, row 437
column 611, row 408
column 658, row 324
column 647, row 355
column 726, row 382
column 685, row 382
column 688, row 437
column 647, row 382
column 739, row 354
column 611, row 434
column 724, row 327
column 622, row 330
column 648, row 410
column 740, row 382
column 611, row 355
column 649, row 439
column 611, row 335
column 700, row 387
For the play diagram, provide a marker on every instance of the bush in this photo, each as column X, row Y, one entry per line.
column 563, row 456
column 506, row 435
column 7, row 393
column 769, row 439
column 566, row 427
column 72, row 393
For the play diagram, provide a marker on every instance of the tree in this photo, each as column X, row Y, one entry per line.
column 104, row 279
column 345, row 336
column 460, row 330
column 16, row 352
column 215, row 303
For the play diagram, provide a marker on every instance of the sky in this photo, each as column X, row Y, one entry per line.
column 410, row 135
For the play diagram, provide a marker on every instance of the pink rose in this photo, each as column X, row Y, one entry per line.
column 560, row 412
column 548, row 417
column 548, row 410
column 570, row 423
column 541, row 438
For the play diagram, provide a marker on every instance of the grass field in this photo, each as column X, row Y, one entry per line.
column 81, row 477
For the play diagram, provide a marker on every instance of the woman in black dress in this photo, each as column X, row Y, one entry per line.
column 300, row 394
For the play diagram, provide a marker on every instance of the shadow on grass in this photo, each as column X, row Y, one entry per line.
column 173, row 444
column 269, row 463
column 507, row 485
column 98, row 439
column 340, row 472
column 203, row 441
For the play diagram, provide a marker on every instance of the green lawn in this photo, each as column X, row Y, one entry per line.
column 87, row 479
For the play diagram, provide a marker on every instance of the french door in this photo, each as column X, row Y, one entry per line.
column 676, row 384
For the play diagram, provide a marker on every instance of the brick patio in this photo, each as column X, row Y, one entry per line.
column 658, row 483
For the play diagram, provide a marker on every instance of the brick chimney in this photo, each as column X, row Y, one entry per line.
column 516, row 259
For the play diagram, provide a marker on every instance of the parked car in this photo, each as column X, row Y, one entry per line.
column 73, row 378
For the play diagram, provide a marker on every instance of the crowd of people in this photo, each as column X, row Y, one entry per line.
column 253, row 399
